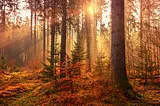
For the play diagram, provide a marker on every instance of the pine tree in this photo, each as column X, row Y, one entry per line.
column 50, row 71
column 78, row 55
column 145, row 65
column 101, row 64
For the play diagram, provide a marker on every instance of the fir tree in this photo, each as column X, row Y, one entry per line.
column 50, row 71
column 145, row 65
column 78, row 55
column 101, row 64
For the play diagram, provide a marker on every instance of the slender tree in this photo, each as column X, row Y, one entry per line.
column 53, row 31
column 35, row 26
column 3, row 25
column 44, row 32
column 31, row 31
column 88, row 37
column 63, row 37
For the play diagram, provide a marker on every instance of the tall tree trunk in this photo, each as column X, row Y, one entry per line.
column 44, row 32
column 48, row 37
column 82, row 35
column 88, row 39
column 63, row 38
column 3, row 25
column 94, row 38
column 78, row 33
column 53, row 32
column 52, row 42
column 141, row 32
column 13, row 34
column 118, row 67
column 31, row 31
column 35, row 26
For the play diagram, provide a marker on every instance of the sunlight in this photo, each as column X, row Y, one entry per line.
column 24, row 12
column 91, row 9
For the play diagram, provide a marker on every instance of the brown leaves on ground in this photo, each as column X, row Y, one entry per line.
column 14, row 83
column 24, row 87
column 10, row 91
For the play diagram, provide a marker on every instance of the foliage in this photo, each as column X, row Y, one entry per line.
column 50, row 71
column 101, row 64
column 23, row 88
column 78, row 55
column 145, row 65
column 3, row 63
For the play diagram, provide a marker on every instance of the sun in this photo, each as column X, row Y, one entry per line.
column 91, row 9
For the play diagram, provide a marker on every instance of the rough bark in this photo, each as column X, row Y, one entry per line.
column 120, row 79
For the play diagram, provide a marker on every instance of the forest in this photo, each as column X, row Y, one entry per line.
column 79, row 53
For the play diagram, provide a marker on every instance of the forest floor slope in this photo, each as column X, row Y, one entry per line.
column 25, row 87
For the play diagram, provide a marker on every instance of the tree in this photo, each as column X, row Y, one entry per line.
column 118, row 67
column 7, row 7
column 31, row 31
column 35, row 26
column 63, row 37
column 88, row 37
column 44, row 32
column 3, row 63
column 78, row 55
column 2, row 23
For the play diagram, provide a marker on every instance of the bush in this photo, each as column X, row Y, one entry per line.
column 3, row 63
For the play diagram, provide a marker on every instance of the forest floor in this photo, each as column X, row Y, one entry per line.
column 25, row 87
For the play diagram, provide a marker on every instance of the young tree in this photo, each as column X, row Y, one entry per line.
column 118, row 67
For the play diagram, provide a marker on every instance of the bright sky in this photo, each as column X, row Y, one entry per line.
column 24, row 13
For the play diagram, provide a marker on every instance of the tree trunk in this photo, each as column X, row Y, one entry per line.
column 141, row 31
column 118, row 67
column 48, row 29
column 44, row 32
column 63, row 39
column 35, row 23
column 3, row 27
column 88, row 39
column 53, row 32
column 31, row 31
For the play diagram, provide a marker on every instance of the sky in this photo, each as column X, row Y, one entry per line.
column 23, row 13
column 26, row 13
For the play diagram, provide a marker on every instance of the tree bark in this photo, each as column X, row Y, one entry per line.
column 35, row 27
column 44, row 32
column 31, row 31
column 63, row 38
column 118, row 67
column 88, row 39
